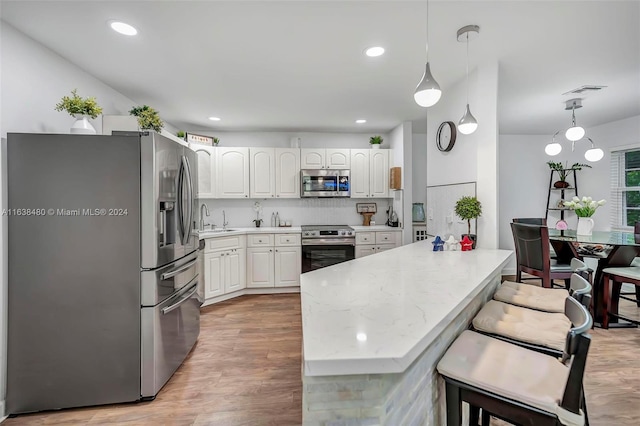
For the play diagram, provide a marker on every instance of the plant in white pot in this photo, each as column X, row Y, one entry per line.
column 375, row 142
column 80, row 108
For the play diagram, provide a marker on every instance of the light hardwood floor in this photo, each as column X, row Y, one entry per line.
column 245, row 370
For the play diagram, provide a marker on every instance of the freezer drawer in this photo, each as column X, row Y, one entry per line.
column 159, row 284
column 169, row 331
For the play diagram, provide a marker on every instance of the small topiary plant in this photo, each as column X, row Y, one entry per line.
column 148, row 118
column 77, row 105
column 468, row 208
column 180, row 134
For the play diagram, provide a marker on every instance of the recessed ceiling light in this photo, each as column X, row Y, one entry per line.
column 374, row 51
column 214, row 118
column 122, row 28
column 361, row 121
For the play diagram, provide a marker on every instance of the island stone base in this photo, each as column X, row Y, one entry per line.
column 413, row 397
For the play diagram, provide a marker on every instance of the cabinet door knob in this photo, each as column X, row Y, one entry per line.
column 270, row 251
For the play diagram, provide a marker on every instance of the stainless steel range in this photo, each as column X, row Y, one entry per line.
column 326, row 245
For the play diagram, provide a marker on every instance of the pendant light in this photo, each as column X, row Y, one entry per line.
column 574, row 133
column 428, row 90
column 468, row 123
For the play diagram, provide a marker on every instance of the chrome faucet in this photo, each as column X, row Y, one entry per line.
column 224, row 220
column 206, row 212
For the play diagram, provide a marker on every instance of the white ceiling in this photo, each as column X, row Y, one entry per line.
column 300, row 65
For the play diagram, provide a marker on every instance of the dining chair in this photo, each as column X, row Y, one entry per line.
column 533, row 255
column 613, row 278
column 531, row 220
column 515, row 384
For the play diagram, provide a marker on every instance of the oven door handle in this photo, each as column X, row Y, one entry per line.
column 329, row 242
column 183, row 299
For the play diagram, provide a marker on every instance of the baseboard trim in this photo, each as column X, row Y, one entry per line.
column 270, row 290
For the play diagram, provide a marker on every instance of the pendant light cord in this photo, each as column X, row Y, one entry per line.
column 467, row 67
column 428, row 31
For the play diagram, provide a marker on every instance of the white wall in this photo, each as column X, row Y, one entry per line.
column 401, row 144
column 34, row 79
column 419, row 167
column 525, row 174
column 474, row 157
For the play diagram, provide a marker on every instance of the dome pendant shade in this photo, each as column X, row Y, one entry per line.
column 574, row 133
column 553, row 148
column 468, row 123
column 594, row 154
column 428, row 91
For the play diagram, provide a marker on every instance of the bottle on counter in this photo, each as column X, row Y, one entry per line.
column 273, row 220
column 277, row 219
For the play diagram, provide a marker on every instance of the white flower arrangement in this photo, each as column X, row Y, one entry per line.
column 584, row 207
column 257, row 207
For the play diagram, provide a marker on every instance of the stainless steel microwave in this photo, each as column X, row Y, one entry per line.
column 325, row 183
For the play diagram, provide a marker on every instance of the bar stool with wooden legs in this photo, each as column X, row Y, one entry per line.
column 613, row 278
column 515, row 384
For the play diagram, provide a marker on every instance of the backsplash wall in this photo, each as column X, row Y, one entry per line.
column 303, row 211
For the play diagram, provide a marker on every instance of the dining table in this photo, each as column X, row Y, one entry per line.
column 609, row 248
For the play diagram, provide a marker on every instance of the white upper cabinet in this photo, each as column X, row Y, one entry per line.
column 360, row 173
column 206, row 170
column 287, row 179
column 321, row 158
column 379, row 173
column 262, row 172
column 232, row 172
column 337, row 159
column 312, row 158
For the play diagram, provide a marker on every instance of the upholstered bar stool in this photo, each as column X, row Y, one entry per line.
column 537, row 330
column 613, row 278
column 545, row 299
column 516, row 384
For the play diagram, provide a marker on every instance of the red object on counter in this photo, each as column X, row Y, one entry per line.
column 466, row 243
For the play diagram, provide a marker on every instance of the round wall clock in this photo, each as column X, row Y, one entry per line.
column 446, row 137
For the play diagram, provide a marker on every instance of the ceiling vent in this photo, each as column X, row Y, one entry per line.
column 583, row 89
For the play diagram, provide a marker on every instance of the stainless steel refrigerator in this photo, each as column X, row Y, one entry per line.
column 102, row 290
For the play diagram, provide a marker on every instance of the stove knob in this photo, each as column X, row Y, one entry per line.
column 350, row 233
column 342, row 233
column 306, row 233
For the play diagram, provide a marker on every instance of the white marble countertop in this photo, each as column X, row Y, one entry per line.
column 376, row 314
column 233, row 230
column 360, row 228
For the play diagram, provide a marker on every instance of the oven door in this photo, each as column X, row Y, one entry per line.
column 319, row 253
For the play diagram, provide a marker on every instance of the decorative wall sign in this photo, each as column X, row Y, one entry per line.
column 202, row 140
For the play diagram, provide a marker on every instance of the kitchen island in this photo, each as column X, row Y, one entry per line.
column 374, row 329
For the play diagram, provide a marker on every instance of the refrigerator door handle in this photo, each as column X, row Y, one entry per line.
column 175, row 272
column 183, row 299
column 187, row 170
column 179, row 196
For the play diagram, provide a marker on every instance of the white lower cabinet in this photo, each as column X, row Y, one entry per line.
column 368, row 242
column 224, row 270
column 278, row 265
column 260, row 267
column 288, row 266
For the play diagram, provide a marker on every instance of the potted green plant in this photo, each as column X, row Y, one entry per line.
column 216, row 141
column 180, row 134
column 80, row 108
column 468, row 208
column 375, row 141
column 563, row 172
column 148, row 118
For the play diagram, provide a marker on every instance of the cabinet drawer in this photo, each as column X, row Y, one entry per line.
column 224, row 243
column 365, row 238
column 283, row 240
column 260, row 240
column 387, row 237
